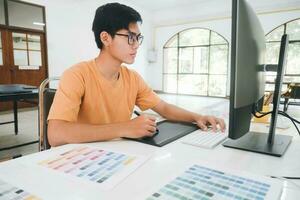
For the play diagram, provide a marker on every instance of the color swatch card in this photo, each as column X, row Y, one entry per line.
column 103, row 167
column 9, row 192
column 204, row 183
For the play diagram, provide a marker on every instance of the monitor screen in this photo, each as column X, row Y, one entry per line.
column 248, row 47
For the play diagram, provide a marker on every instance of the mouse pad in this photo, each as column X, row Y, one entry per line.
column 168, row 132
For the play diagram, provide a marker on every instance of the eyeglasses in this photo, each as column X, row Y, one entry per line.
column 132, row 38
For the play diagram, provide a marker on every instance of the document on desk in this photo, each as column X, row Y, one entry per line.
column 10, row 192
column 202, row 182
column 98, row 166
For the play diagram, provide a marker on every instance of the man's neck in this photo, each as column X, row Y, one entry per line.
column 108, row 66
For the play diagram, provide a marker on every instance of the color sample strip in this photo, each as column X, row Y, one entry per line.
column 9, row 192
column 89, row 163
column 204, row 183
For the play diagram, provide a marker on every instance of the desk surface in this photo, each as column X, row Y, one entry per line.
column 29, row 94
column 15, row 91
column 164, row 162
column 15, row 88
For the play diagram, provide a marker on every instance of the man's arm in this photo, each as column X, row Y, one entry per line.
column 62, row 132
column 175, row 113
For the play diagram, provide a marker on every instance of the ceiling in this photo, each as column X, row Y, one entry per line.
column 157, row 5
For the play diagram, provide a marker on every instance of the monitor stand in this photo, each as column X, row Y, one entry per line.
column 262, row 142
column 258, row 142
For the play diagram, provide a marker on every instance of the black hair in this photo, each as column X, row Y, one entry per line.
column 112, row 17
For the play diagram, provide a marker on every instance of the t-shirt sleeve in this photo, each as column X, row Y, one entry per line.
column 146, row 97
column 67, row 100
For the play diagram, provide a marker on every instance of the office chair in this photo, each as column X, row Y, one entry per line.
column 46, row 96
column 293, row 92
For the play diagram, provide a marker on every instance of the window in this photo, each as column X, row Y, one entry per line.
column 195, row 63
column 27, row 49
column 25, row 15
column 1, row 51
column 292, row 71
column 2, row 13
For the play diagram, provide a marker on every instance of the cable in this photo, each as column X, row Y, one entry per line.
column 259, row 116
column 288, row 116
column 279, row 112
column 296, row 127
column 291, row 177
column 288, row 179
column 292, row 119
column 255, row 110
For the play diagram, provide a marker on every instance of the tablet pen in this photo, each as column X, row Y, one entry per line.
column 138, row 114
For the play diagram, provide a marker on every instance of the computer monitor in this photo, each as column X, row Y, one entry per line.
column 247, row 85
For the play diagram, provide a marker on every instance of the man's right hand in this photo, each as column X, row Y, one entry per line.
column 62, row 132
column 140, row 126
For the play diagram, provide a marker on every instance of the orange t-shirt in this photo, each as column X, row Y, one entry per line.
column 85, row 96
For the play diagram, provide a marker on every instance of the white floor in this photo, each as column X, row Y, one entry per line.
column 28, row 132
column 28, row 120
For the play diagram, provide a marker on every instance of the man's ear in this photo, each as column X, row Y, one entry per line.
column 105, row 38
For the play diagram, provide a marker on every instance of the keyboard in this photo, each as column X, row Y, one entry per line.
column 205, row 139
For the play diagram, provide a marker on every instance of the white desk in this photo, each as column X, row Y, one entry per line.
column 165, row 162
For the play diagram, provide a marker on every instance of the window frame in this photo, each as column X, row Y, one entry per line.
column 7, row 26
column 208, row 74
column 290, row 42
column 28, row 49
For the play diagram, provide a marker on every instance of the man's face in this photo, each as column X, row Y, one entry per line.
column 125, row 44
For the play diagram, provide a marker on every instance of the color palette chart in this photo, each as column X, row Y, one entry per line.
column 203, row 183
column 9, row 192
column 94, row 164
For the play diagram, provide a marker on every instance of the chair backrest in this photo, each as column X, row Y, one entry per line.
column 295, row 92
column 46, row 96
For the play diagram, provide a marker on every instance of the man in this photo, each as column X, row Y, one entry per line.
column 95, row 99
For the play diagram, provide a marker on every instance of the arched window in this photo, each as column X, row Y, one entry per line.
column 292, row 71
column 196, row 62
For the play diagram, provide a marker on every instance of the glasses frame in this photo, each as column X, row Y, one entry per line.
column 132, row 38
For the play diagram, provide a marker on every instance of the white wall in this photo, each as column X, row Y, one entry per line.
column 163, row 34
column 70, row 38
column 69, row 33
column 220, row 23
column 214, row 9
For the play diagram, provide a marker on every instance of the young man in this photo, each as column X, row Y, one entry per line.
column 95, row 99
